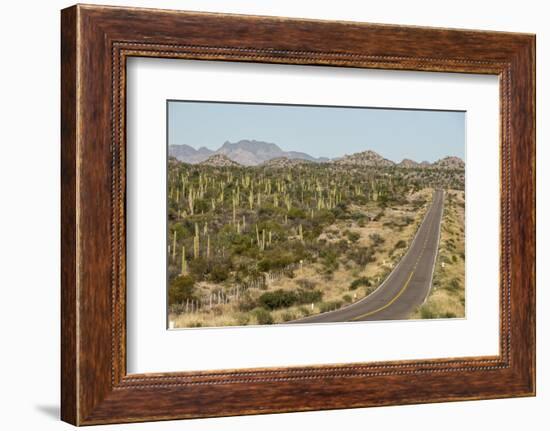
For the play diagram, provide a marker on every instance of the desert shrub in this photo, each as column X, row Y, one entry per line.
column 378, row 216
column 306, row 284
column 263, row 317
column 195, row 325
column 247, row 302
column 400, row 244
column 407, row 220
column 274, row 259
column 198, row 267
column 325, row 217
column 201, row 205
column 219, row 272
column 304, row 311
column 296, row 213
column 284, row 298
column 358, row 282
column 287, row 316
column 353, row 236
column 242, row 319
column 329, row 306
column 182, row 288
column 347, row 298
column 308, row 296
column 455, row 284
column 377, row 238
column 267, row 211
column 277, row 299
column 329, row 260
column 361, row 255
column 427, row 313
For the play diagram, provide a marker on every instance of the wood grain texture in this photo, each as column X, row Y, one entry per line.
column 96, row 41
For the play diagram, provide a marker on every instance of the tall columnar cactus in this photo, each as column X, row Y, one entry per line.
column 301, row 233
column 191, row 202
column 175, row 238
column 196, row 245
column 208, row 247
column 257, row 236
column 183, row 262
column 244, row 222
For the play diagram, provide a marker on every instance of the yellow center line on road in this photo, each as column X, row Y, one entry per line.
column 370, row 313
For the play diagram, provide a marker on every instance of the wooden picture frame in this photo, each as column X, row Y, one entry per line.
column 95, row 43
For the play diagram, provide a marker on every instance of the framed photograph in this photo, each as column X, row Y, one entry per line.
column 264, row 215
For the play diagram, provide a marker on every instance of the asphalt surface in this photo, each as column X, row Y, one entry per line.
column 407, row 286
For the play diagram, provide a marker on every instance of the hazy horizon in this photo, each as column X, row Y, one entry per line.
column 395, row 134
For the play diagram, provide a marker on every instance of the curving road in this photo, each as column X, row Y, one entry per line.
column 407, row 286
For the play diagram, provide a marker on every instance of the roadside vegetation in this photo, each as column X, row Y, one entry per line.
column 259, row 245
column 447, row 296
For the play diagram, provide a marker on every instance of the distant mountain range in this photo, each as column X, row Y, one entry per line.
column 255, row 153
column 245, row 152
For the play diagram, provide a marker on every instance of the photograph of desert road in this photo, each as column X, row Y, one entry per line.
column 320, row 229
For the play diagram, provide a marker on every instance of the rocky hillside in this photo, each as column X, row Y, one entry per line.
column 364, row 158
column 188, row 154
column 450, row 162
column 219, row 161
column 285, row 162
column 408, row 163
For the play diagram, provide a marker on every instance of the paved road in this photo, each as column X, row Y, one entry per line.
column 407, row 285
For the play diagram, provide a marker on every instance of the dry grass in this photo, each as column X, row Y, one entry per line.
column 447, row 297
column 393, row 224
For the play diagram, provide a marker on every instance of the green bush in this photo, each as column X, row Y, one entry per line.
column 427, row 313
column 284, row 298
column 276, row 259
column 308, row 296
column 182, row 288
column 263, row 316
column 296, row 213
column 277, row 299
column 358, row 282
column 219, row 273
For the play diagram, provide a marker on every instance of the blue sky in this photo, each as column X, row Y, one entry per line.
column 321, row 131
